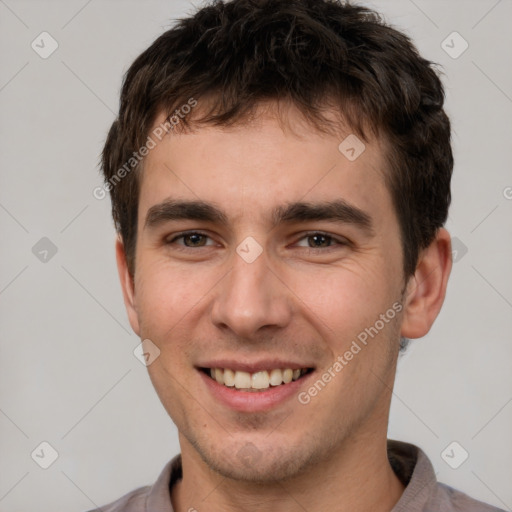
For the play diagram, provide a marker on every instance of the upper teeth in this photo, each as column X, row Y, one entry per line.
column 257, row 380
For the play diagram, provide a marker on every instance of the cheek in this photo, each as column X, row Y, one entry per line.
column 171, row 298
column 345, row 297
column 163, row 281
column 165, row 295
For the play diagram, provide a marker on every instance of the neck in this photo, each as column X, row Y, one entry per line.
column 356, row 477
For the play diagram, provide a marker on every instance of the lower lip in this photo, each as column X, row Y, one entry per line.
column 257, row 401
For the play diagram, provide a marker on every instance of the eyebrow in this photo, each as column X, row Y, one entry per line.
column 333, row 211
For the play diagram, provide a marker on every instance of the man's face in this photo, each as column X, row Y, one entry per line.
column 265, row 287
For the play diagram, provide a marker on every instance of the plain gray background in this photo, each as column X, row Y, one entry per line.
column 68, row 375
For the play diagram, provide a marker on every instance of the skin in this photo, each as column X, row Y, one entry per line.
column 293, row 302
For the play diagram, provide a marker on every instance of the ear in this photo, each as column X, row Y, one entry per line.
column 426, row 289
column 127, row 285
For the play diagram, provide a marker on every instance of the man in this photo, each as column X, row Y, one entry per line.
column 280, row 177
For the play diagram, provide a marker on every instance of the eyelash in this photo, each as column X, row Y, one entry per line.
column 332, row 239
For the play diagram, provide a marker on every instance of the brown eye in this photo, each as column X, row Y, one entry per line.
column 191, row 240
column 194, row 240
column 319, row 240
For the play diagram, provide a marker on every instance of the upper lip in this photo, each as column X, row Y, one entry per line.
column 254, row 366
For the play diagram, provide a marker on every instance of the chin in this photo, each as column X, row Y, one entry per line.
column 266, row 470
column 245, row 462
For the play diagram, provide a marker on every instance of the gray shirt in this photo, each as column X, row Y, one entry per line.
column 422, row 492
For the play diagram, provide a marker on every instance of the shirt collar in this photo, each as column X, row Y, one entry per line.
column 414, row 469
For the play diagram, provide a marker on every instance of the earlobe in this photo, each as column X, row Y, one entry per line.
column 426, row 289
column 127, row 286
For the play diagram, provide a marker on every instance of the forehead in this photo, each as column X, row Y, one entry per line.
column 252, row 168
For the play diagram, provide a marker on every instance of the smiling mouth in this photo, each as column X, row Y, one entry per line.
column 255, row 382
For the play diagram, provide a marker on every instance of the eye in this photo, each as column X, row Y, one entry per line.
column 191, row 239
column 319, row 240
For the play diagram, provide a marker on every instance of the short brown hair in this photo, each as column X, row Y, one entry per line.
column 314, row 54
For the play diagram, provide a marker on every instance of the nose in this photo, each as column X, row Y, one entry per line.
column 251, row 298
